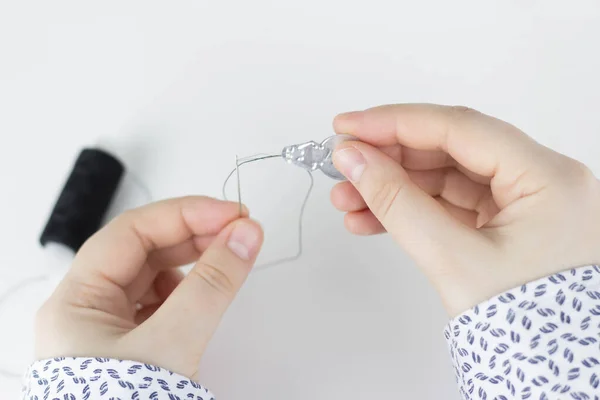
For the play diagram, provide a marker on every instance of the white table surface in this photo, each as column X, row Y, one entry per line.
column 182, row 87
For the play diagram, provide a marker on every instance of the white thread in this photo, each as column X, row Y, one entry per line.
column 29, row 281
column 6, row 295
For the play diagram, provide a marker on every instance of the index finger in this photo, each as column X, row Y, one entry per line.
column 118, row 251
column 483, row 144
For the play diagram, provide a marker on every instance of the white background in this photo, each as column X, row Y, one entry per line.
column 181, row 87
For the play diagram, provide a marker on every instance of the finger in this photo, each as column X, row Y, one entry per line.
column 203, row 296
column 161, row 287
column 203, row 242
column 145, row 312
column 167, row 281
column 168, row 257
column 148, row 298
column 346, row 198
column 453, row 186
column 363, row 223
column 466, row 217
column 174, row 256
column 395, row 152
column 421, row 160
column 483, row 144
column 416, row 159
column 410, row 215
column 448, row 183
column 483, row 180
column 118, row 251
column 180, row 254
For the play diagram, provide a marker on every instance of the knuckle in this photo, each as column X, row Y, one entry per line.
column 571, row 179
column 458, row 112
column 94, row 296
column 215, row 278
column 124, row 218
column 455, row 115
column 384, row 197
column 582, row 172
column 582, row 176
column 129, row 221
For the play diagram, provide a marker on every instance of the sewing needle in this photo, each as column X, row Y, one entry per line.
column 237, row 174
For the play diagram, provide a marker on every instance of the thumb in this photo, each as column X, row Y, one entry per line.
column 416, row 220
column 192, row 313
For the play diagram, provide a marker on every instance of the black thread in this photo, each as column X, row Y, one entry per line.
column 84, row 200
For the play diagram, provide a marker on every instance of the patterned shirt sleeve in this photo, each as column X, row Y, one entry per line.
column 538, row 342
column 103, row 378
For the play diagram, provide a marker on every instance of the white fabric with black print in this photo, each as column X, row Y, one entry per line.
column 103, row 378
column 540, row 341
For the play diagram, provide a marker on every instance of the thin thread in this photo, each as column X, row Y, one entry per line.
column 302, row 208
column 140, row 183
column 29, row 281
column 3, row 297
column 300, row 223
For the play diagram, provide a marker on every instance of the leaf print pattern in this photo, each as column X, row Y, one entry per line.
column 103, row 378
column 540, row 341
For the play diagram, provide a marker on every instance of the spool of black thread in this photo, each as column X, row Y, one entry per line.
column 84, row 200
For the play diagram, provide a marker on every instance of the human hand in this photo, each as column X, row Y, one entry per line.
column 479, row 205
column 124, row 298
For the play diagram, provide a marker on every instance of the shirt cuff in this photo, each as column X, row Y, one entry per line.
column 98, row 378
column 537, row 341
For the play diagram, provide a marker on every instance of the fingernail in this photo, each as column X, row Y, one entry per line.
column 351, row 163
column 244, row 240
column 347, row 122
